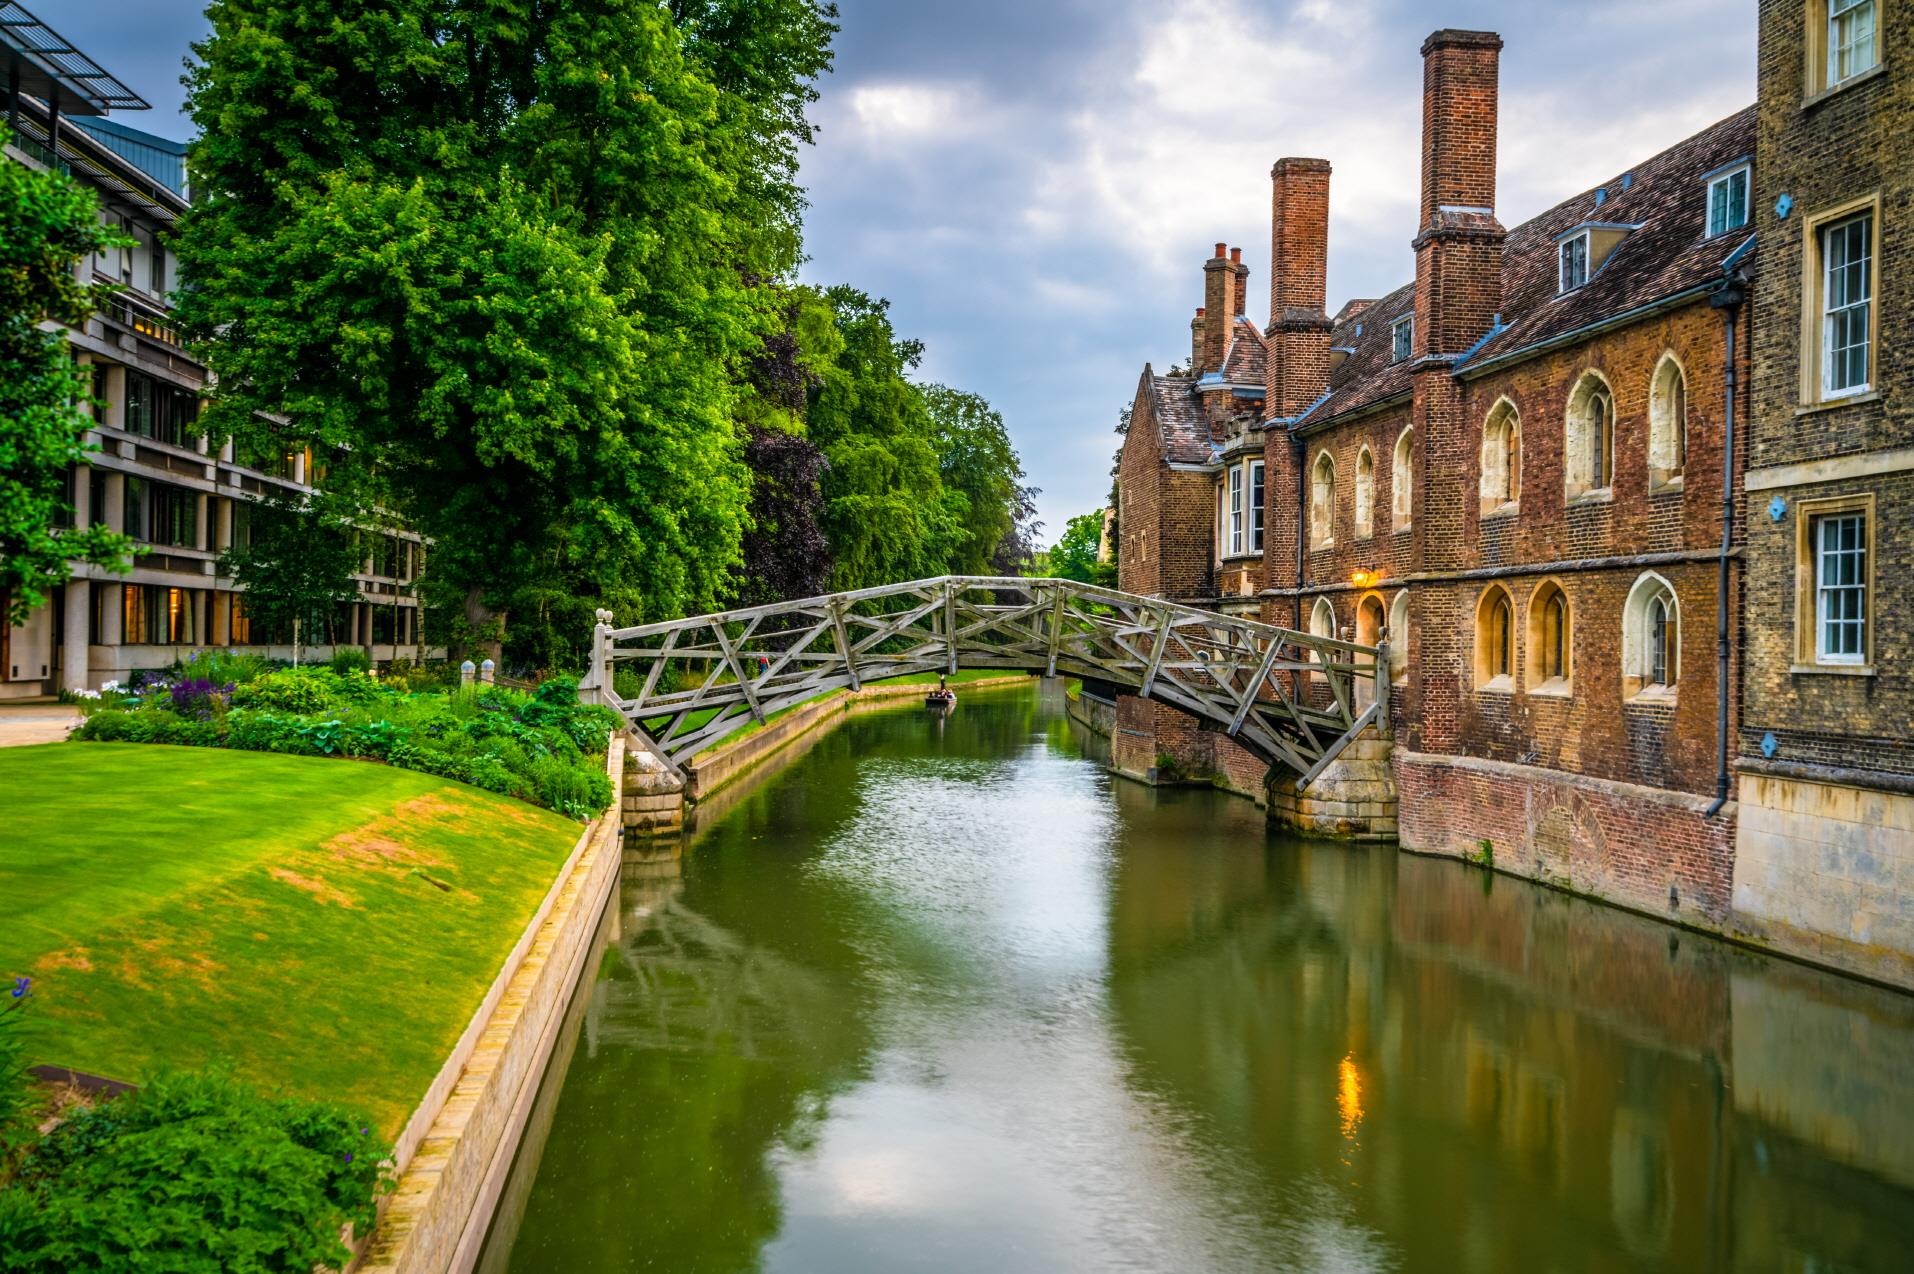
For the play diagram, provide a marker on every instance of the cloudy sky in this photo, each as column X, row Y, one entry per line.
column 1035, row 183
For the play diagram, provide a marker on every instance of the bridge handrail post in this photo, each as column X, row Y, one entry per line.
column 598, row 680
column 1383, row 726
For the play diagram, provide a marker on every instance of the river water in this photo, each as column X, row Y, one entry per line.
column 952, row 998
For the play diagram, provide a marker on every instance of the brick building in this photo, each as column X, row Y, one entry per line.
column 1825, row 866
column 1513, row 468
column 182, row 497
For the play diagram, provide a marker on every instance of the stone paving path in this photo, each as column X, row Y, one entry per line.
column 22, row 723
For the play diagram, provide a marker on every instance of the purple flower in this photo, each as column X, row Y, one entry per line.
column 348, row 1156
column 21, row 986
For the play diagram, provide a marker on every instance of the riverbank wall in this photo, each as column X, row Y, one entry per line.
column 454, row 1154
column 710, row 771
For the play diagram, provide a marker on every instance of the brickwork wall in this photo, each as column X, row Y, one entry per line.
column 1846, row 145
column 1627, row 844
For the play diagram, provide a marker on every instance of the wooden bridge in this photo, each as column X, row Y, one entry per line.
column 1293, row 699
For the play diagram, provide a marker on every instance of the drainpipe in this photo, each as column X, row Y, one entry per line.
column 1728, row 298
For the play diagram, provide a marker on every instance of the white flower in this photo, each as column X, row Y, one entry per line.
column 109, row 685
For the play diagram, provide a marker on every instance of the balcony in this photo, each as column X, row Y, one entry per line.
column 146, row 319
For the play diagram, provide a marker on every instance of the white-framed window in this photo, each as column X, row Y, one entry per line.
column 1256, row 506
column 1402, row 336
column 1847, row 305
column 1728, row 201
column 1853, row 46
column 1589, row 436
column 1840, row 587
column 1235, row 540
column 1651, row 639
column 1574, row 262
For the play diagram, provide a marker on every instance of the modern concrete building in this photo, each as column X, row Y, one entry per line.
column 183, row 497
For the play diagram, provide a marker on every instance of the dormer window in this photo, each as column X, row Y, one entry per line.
column 1728, row 201
column 1574, row 263
column 1402, row 335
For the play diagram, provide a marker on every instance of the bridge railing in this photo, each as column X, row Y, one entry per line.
column 1293, row 698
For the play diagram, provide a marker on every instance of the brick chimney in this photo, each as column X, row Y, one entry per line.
column 1298, row 364
column 1219, row 306
column 1196, row 339
column 1459, row 245
column 1242, row 280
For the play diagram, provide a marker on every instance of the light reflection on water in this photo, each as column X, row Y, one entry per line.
column 951, row 998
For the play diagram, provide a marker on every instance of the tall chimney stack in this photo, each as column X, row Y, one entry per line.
column 1459, row 246
column 1242, row 280
column 1298, row 364
column 1219, row 306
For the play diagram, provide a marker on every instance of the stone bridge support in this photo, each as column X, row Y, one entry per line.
column 1353, row 799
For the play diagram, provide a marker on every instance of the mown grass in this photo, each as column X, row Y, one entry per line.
column 321, row 929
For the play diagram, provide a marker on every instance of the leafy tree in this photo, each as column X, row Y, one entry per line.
column 1074, row 556
column 1016, row 552
column 47, row 224
column 785, row 553
column 979, row 468
column 296, row 565
column 506, row 258
column 884, row 508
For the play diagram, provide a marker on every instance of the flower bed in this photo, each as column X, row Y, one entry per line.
column 543, row 747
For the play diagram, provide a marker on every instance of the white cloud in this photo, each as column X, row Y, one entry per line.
column 910, row 112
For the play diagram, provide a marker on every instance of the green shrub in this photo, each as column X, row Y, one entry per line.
column 290, row 690
column 348, row 659
column 16, row 1086
column 222, row 667
column 193, row 1172
column 114, row 725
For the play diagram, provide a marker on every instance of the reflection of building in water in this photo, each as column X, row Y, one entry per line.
column 1510, row 1076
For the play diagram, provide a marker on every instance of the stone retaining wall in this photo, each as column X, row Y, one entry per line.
column 454, row 1154
column 711, row 770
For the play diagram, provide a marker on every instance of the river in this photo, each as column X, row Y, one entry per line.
column 950, row 997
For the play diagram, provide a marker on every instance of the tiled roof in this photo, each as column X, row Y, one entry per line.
column 1179, row 419
column 1243, row 365
column 1669, row 254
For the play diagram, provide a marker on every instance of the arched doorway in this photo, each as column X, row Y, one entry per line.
column 1371, row 624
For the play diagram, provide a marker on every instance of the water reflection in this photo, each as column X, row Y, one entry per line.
column 944, row 996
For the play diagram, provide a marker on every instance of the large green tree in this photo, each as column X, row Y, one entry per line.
column 505, row 258
column 982, row 477
column 47, row 224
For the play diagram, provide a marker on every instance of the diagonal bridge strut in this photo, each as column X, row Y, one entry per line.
column 1293, row 699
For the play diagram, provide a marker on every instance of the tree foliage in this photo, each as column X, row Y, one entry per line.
column 295, row 565
column 507, row 256
column 48, row 223
column 1074, row 555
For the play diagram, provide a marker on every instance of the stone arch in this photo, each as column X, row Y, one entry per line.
column 1402, row 480
column 1372, row 622
column 1322, row 502
column 1365, row 494
column 1399, row 637
column 1551, row 639
column 1667, row 422
column 1501, row 465
column 1322, row 623
column 1651, row 638
column 1495, row 639
column 1588, row 436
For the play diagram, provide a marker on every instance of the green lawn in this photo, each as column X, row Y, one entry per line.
column 323, row 927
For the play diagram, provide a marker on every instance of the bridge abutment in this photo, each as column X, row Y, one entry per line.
column 1354, row 798
column 652, row 802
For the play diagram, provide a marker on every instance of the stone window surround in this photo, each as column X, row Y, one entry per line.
column 1402, row 480
column 1322, row 502
column 1817, row 82
column 1667, row 429
column 1806, row 616
column 1487, row 679
column 1636, row 688
column 1577, row 479
column 1365, row 493
column 1539, row 682
column 1500, row 461
column 1813, row 282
